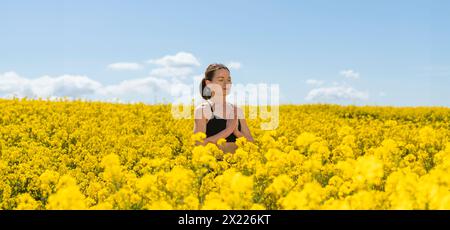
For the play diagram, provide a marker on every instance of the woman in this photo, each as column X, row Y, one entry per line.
column 209, row 116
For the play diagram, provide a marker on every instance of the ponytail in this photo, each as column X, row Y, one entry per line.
column 205, row 91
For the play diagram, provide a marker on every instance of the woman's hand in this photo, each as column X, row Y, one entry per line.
column 231, row 127
column 232, row 124
column 236, row 132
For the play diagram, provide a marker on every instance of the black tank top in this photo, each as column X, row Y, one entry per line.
column 216, row 124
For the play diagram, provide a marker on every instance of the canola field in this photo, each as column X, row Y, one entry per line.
column 93, row 155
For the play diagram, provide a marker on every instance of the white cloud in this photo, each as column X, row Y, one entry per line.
column 314, row 82
column 11, row 84
column 173, row 66
column 171, row 71
column 197, row 79
column 382, row 94
column 335, row 93
column 349, row 74
column 177, row 83
column 134, row 86
column 234, row 65
column 148, row 89
column 181, row 59
column 125, row 66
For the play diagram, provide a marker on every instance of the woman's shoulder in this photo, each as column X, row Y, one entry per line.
column 203, row 105
column 202, row 110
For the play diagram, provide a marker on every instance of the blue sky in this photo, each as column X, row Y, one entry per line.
column 345, row 52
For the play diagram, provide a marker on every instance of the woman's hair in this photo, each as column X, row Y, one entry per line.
column 205, row 91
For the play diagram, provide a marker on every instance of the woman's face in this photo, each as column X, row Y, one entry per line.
column 221, row 82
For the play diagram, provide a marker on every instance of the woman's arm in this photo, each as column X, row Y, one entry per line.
column 231, row 125
column 200, row 126
column 245, row 131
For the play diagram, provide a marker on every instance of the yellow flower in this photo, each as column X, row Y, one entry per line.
column 112, row 170
column 309, row 197
column 198, row 137
column 26, row 202
column 280, row 185
column 179, row 181
column 221, row 141
column 68, row 196
column 98, row 155
column 305, row 139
